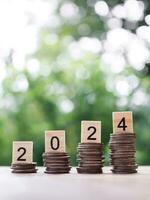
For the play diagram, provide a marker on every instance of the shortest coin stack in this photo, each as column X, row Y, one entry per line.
column 23, row 167
column 90, row 157
column 56, row 163
column 122, row 156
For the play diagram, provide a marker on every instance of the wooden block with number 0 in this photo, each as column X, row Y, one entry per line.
column 22, row 152
column 55, row 141
column 91, row 132
column 122, row 122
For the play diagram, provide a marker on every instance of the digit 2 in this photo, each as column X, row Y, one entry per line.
column 93, row 132
column 23, row 153
column 122, row 124
column 52, row 143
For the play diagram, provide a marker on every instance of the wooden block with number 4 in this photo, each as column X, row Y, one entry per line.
column 91, row 132
column 55, row 141
column 22, row 152
column 122, row 122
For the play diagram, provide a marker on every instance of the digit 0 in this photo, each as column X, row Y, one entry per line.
column 93, row 132
column 122, row 124
column 22, row 154
column 53, row 139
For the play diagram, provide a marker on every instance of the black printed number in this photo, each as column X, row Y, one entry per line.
column 57, row 143
column 122, row 124
column 93, row 132
column 23, row 152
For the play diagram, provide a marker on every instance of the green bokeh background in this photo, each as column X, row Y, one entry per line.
column 81, row 82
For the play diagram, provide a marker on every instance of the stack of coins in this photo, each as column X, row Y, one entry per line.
column 23, row 167
column 56, row 162
column 122, row 156
column 90, row 157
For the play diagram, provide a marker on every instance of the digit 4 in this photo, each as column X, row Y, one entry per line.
column 122, row 124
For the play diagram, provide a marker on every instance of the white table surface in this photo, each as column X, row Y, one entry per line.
column 73, row 186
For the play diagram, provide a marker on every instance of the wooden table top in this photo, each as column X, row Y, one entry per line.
column 73, row 186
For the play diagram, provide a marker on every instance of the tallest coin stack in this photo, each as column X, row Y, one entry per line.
column 122, row 156
column 122, row 144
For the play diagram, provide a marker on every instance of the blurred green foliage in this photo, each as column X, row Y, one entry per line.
column 81, row 82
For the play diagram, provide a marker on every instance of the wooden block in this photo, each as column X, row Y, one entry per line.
column 55, row 141
column 122, row 122
column 22, row 152
column 91, row 132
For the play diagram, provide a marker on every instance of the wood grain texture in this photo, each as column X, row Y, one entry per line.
column 91, row 132
column 18, row 151
column 117, row 117
column 75, row 186
column 54, row 139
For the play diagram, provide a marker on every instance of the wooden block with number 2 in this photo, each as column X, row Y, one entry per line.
column 55, row 141
column 22, row 152
column 91, row 132
column 122, row 122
